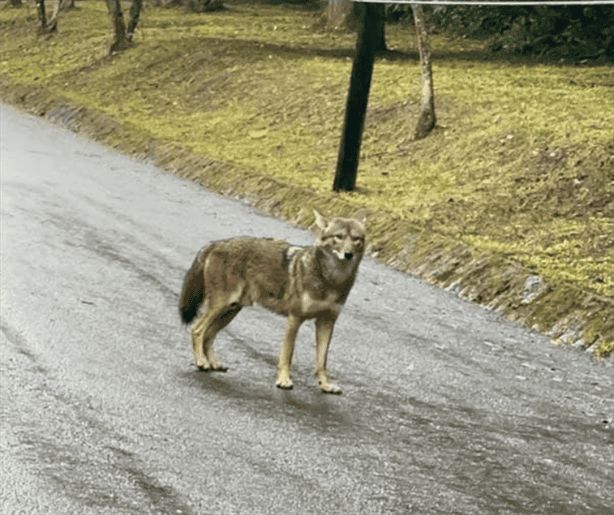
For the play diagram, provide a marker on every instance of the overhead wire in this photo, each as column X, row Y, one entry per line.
column 496, row 3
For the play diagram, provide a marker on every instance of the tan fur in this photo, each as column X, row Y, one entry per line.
column 300, row 283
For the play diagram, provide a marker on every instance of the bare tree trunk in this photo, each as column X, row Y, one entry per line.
column 56, row 10
column 60, row 5
column 122, row 36
column 426, row 120
column 44, row 27
column 42, row 17
column 337, row 12
column 358, row 98
column 135, row 13
column 120, row 41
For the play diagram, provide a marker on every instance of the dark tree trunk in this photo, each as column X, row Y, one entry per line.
column 122, row 36
column 358, row 97
column 426, row 120
column 42, row 17
column 120, row 41
column 135, row 13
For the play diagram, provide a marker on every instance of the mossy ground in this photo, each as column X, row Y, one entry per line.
column 516, row 180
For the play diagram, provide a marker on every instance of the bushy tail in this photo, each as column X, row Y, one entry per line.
column 193, row 291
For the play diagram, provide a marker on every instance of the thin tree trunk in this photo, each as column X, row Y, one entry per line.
column 358, row 97
column 135, row 13
column 120, row 42
column 426, row 119
column 42, row 17
column 337, row 12
column 43, row 27
column 56, row 10
column 60, row 5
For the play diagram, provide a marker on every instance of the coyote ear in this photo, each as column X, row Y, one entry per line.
column 321, row 220
column 361, row 218
column 319, row 226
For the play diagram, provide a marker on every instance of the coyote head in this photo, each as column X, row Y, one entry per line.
column 340, row 244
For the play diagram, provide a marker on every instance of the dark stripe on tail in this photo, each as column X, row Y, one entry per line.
column 193, row 291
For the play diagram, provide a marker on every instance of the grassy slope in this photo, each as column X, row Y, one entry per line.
column 517, row 180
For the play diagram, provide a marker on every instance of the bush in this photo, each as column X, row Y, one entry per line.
column 198, row 6
column 572, row 32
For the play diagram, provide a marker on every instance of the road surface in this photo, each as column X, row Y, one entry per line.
column 447, row 408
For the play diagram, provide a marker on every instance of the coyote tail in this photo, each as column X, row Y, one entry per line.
column 193, row 290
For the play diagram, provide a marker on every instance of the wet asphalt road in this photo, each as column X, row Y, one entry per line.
column 446, row 408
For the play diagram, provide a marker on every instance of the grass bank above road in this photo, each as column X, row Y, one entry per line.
column 510, row 202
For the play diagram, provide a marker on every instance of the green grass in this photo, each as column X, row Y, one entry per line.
column 520, row 167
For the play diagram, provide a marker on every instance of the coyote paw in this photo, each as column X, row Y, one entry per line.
column 284, row 383
column 208, row 366
column 331, row 388
column 217, row 366
column 203, row 365
column 328, row 387
column 323, row 378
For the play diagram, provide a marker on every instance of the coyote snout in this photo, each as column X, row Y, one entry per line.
column 300, row 283
column 343, row 255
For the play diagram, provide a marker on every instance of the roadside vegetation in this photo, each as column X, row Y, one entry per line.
column 509, row 201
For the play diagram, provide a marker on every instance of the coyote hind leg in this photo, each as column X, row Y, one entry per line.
column 203, row 333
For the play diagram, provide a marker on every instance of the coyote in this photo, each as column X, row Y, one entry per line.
column 298, row 282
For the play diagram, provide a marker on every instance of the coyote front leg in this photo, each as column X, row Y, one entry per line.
column 324, row 332
column 284, row 365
